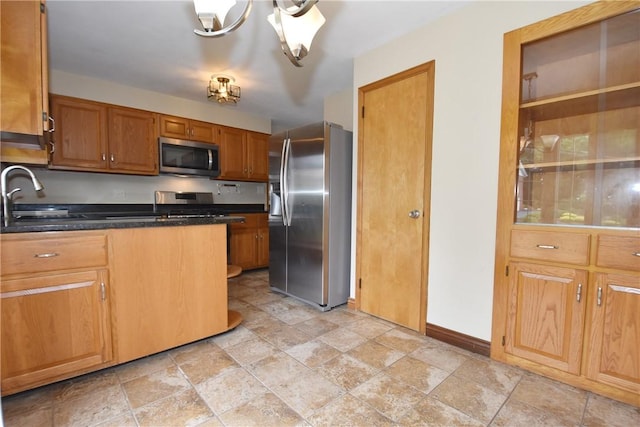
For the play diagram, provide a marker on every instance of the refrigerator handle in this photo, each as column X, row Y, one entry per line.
column 283, row 183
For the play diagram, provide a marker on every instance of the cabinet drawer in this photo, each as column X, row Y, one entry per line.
column 571, row 248
column 34, row 254
column 618, row 252
column 251, row 220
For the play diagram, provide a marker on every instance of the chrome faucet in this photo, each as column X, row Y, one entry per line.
column 7, row 197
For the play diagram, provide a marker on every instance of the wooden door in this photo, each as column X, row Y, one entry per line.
column 233, row 153
column 133, row 147
column 614, row 341
column 258, row 156
column 53, row 326
column 546, row 312
column 80, row 137
column 394, row 157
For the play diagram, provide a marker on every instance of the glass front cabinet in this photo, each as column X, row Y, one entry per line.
column 567, row 271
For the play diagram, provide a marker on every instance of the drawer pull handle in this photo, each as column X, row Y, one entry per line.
column 547, row 246
column 47, row 255
column 635, row 253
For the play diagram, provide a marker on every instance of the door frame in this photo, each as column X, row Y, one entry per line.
column 429, row 69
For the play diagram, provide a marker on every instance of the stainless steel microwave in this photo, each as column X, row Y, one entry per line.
column 183, row 157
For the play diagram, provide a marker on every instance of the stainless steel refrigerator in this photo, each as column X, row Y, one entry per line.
column 310, row 214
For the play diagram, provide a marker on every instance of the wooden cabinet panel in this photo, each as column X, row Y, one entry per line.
column 182, row 128
column 258, row 156
column 40, row 252
column 179, row 298
column 232, row 153
column 621, row 252
column 53, row 326
column 572, row 248
column 23, row 68
column 546, row 315
column 133, row 143
column 614, row 342
column 80, row 137
column 250, row 241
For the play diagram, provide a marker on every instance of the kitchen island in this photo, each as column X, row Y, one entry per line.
column 78, row 296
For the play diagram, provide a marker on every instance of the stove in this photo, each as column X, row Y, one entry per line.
column 181, row 204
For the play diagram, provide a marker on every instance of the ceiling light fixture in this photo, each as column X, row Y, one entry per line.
column 221, row 91
column 212, row 14
column 296, row 27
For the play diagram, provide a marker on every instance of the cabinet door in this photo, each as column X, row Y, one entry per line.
column 614, row 342
column 203, row 131
column 263, row 247
column 133, row 146
column 232, row 153
column 23, row 82
column 174, row 127
column 546, row 310
column 80, row 137
column 244, row 247
column 52, row 327
column 258, row 156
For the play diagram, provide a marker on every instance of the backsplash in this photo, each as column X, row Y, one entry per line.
column 80, row 187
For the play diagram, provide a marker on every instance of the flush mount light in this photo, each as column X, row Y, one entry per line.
column 296, row 26
column 212, row 14
column 221, row 90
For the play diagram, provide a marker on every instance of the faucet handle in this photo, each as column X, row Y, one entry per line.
column 11, row 193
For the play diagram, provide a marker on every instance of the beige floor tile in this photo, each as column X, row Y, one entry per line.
column 516, row 414
column 375, row 354
column 263, row 411
column 343, row 339
column 469, row 397
column 86, row 384
column 602, row 411
column 41, row 398
column 312, row 353
column 230, row 390
column 261, row 298
column 432, row 413
column 231, row 338
column 441, row 357
column 144, row 366
column 196, row 350
column 561, row 400
column 346, row 410
column 342, row 317
column 497, row 376
column 279, row 368
column 207, row 366
column 37, row 417
column 347, row 371
column 403, row 340
column 92, row 407
column 283, row 337
column 288, row 311
column 251, row 351
column 316, row 326
column 417, row 373
column 369, row 327
column 157, row 385
column 126, row 420
column 182, row 409
column 390, row 397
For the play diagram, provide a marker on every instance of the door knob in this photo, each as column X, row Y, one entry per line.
column 414, row 214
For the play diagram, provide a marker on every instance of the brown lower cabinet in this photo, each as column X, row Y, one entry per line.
column 78, row 301
column 250, row 241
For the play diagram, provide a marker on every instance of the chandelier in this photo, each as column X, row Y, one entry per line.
column 296, row 25
column 221, row 91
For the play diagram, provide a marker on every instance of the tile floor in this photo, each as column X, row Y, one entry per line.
column 289, row 364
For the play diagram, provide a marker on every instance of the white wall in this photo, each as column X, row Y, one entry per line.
column 338, row 108
column 63, row 83
column 467, row 48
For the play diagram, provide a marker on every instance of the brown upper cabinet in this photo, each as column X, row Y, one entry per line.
column 99, row 137
column 23, row 82
column 567, row 264
column 182, row 128
column 244, row 155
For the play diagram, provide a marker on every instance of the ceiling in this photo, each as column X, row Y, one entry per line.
column 151, row 45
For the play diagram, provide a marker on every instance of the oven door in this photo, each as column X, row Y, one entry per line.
column 188, row 157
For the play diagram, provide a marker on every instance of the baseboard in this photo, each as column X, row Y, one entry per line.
column 474, row 345
column 351, row 304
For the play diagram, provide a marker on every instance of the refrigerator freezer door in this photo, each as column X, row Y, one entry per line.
column 277, row 230
column 306, row 193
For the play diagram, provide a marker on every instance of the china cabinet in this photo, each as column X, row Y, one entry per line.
column 567, row 266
